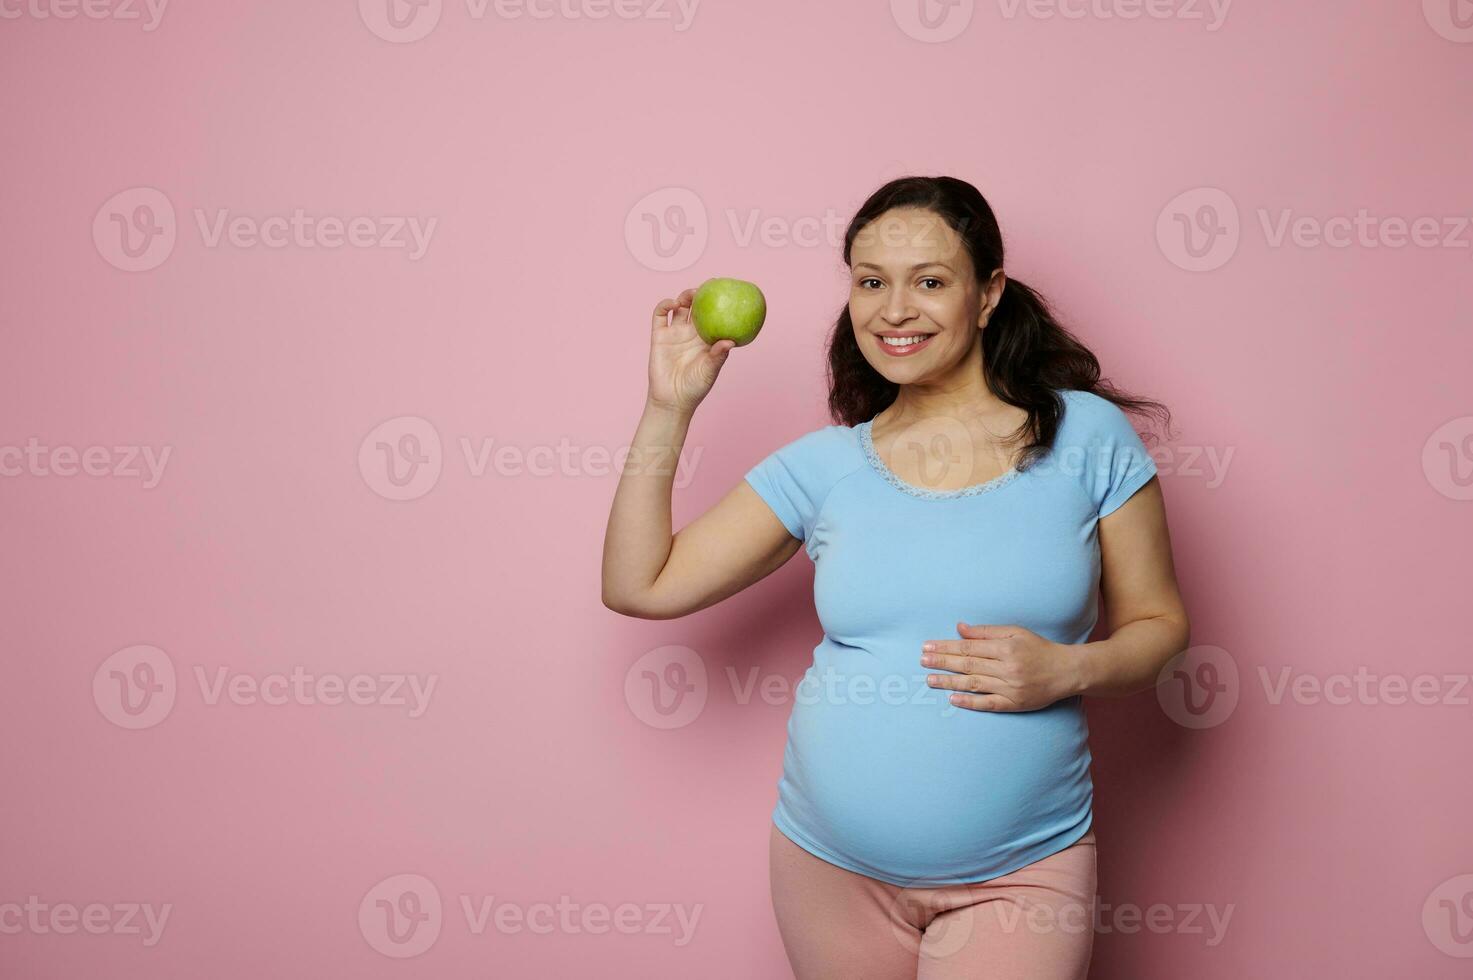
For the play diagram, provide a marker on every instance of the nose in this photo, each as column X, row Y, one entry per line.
column 898, row 308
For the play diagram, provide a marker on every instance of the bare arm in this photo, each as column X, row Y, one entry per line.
column 647, row 573
column 1142, row 604
column 650, row 575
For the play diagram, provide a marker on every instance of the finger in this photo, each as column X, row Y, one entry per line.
column 976, row 632
column 960, row 663
column 981, row 650
column 984, row 702
column 682, row 306
column 716, row 355
column 662, row 310
column 969, row 683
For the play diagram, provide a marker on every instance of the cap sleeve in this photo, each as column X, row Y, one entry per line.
column 1116, row 462
column 1124, row 465
column 790, row 481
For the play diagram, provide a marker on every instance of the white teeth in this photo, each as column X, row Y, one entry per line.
column 902, row 341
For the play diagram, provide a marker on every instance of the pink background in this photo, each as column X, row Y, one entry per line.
column 1337, row 538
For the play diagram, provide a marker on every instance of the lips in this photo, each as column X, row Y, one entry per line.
column 905, row 350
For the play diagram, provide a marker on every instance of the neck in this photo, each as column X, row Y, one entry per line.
column 962, row 394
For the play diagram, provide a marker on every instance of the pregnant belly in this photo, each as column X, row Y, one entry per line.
column 897, row 783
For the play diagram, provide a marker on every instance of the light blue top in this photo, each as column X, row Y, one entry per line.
column 881, row 774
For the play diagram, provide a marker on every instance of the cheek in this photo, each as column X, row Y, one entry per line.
column 948, row 313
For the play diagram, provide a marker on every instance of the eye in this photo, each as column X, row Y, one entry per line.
column 867, row 279
column 938, row 282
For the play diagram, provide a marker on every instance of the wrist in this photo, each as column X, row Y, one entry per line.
column 667, row 410
column 1083, row 662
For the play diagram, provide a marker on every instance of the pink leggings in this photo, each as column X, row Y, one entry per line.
column 1036, row 923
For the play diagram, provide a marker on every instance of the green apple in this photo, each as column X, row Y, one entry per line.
column 728, row 309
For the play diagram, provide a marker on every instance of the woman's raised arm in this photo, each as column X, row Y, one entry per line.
column 647, row 572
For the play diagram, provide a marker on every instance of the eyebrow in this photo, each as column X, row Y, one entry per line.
column 918, row 265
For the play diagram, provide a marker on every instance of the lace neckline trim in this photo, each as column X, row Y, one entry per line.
column 878, row 465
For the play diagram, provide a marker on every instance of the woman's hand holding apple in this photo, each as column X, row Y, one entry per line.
column 683, row 367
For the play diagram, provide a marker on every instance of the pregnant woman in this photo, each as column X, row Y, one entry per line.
column 981, row 497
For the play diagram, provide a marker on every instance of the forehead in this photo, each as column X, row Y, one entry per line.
column 903, row 238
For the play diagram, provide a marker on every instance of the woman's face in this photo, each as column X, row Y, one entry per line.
column 911, row 277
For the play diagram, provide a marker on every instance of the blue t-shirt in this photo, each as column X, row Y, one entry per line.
column 882, row 775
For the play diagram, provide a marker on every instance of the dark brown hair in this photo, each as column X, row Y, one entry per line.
column 1026, row 353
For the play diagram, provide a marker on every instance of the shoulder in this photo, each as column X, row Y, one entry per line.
column 795, row 479
column 1085, row 404
column 1091, row 419
column 822, row 454
column 1100, row 446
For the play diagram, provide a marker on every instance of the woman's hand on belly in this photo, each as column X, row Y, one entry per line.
column 1002, row 668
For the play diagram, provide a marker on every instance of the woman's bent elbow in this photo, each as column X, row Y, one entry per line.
column 620, row 605
column 632, row 607
column 643, row 607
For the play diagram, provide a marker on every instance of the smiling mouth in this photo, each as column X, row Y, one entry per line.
column 904, row 343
